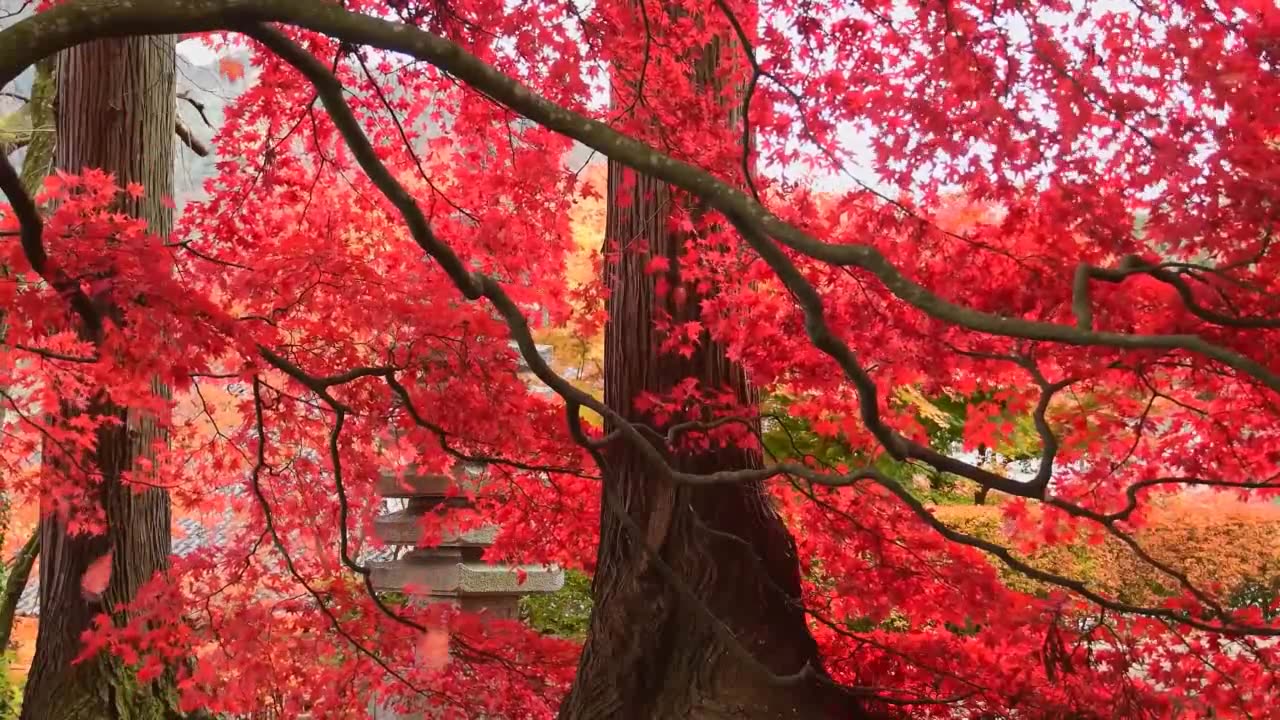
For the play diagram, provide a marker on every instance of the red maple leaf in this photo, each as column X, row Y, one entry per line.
column 96, row 577
column 230, row 68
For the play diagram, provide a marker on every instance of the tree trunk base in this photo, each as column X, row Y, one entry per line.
column 103, row 689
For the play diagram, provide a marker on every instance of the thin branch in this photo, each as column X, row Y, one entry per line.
column 199, row 107
column 190, row 140
column 52, row 355
column 334, row 622
column 1134, row 265
column 404, row 139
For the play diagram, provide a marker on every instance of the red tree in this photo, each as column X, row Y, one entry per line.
column 353, row 269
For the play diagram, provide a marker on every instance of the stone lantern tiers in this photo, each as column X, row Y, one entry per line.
column 453, row 571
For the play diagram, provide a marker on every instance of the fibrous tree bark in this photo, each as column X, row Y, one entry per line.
column 115, row 112
column 719, row 559
column 653, row 651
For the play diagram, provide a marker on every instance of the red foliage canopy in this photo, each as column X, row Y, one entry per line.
column 1063, row 208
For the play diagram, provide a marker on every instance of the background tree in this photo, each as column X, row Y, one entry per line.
column 36, row 164
column 115, row 114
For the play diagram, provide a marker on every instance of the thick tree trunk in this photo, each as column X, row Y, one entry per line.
column 651, row 652
column 116, row 113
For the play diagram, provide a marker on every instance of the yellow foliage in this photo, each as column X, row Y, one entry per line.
column 1218, row 542
column 584, row 354
column 911, row 395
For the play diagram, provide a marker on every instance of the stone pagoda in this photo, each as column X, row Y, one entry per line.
column 453, row 571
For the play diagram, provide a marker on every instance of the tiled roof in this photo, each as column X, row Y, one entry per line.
column 194, row 535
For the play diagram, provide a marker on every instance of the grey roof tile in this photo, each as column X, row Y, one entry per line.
column 194, row 535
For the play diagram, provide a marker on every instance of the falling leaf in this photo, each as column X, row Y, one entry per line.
column 231, row 69
column 95, row 578
column 433, row 649
column 657, row 264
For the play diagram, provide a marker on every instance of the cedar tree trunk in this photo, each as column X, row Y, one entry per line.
column 651, row 652
column 116, row 113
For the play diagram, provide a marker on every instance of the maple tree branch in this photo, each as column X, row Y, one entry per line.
column 344, row 539
column 756, row 72
column 256, row 484
column 898, row 446
column 52, row 355
column 404, row 139
column 1134, row 265
column 321, row 386
column 1044, row 474
column 66, row 448
column 442, row 436
column 476, row 285
column 344, row 507
column 1191, row 649
column 186, row 245
column 31, row 237
column 1079, row 587
column 1107, row 520
column 344, row 511
column 638, row 99
column 1133, row 490
column 1116, row 114
column 1183, row 580
column 1023, row 567
column 473, row 286
column 831, row 155
column 1049, row 442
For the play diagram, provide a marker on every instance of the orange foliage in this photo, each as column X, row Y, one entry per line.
column 1221, row 545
